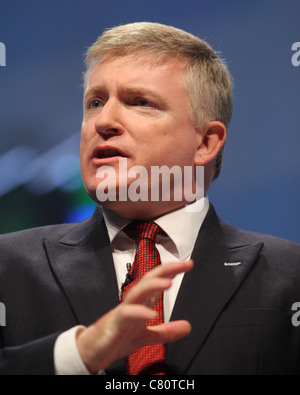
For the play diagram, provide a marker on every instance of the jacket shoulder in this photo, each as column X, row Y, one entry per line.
column 276, row 248
column 73, row 231
column 35, row 234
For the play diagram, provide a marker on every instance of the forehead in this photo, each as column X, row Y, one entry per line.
column 136, row 68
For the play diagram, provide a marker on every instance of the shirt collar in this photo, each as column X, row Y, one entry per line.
column 182, row 226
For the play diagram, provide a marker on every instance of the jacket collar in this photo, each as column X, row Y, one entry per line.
column 82, row 265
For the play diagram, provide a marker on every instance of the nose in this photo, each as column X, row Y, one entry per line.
column 108, row 121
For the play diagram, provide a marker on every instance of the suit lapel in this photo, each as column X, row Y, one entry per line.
column 207, row 289
column 82, row 265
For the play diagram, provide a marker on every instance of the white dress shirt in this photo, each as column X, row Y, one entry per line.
column 181, row 226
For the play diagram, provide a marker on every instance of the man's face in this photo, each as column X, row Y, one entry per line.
column 136, row 109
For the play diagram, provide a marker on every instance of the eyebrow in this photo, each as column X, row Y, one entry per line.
column 92, row 91
column 138, row 91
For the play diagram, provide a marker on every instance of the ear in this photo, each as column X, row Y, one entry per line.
column 213, row 137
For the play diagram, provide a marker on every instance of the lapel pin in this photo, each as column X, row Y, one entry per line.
column 232, row 263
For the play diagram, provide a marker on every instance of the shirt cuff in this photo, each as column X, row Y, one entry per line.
column 67, row 360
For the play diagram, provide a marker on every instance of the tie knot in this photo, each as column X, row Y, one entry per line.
column 138, row 230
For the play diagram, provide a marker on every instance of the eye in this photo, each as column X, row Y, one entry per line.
column 95, row 103
column 143, row 103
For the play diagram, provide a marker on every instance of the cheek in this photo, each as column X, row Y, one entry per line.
column 182, row 149
column 158, row 144
column 82, row 149
column 84, row 130
column 84, row 139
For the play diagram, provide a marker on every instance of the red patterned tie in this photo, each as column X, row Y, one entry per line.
column 150, row 359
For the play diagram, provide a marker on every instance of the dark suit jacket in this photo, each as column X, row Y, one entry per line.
column 55, row 277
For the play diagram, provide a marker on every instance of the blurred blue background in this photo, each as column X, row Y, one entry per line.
column 41, row 105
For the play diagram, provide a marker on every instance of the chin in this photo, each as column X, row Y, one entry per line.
column 129, row 210
column 140, row 210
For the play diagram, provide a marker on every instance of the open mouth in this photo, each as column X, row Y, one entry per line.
column 107, row 153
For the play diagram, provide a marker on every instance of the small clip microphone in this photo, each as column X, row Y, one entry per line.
column 129, row 278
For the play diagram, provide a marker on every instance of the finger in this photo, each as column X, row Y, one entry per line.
column 154, row 282
column 171, row 269
column 168, row 332
column 134, row 313
column 147, row 291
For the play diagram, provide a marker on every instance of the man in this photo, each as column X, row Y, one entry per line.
column 154, row 96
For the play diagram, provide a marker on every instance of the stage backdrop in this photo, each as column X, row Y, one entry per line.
column 41, row 58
